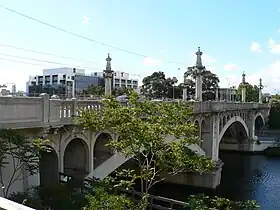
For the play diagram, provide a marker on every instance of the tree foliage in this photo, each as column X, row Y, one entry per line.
column 276, row 97
column 252, row 92
column 99, row 91
column 142, row 128
column 19, row 153
column 94, row 90
column 210, row 83
column 157, row 86
column 107, row 201
column 199, row 202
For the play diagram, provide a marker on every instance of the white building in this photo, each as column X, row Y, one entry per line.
column 55, row 76
column 122, row 79
column 75, row 80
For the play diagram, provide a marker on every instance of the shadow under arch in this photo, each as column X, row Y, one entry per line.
column 76, row 158
column 235, row 131
column 48, row 167
column 101, row 152
column 259, row 122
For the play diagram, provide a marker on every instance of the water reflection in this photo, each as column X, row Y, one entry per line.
column 244, row 177
column 251, row 177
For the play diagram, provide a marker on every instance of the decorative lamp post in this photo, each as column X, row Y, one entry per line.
column 244, row 87
column 108, row 75
column 174, row 81
column 260, row 90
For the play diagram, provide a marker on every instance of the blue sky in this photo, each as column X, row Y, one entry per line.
column 234, row 36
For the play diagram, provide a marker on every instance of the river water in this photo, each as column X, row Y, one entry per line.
column 244, row 177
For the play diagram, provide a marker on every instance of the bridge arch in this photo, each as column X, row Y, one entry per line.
column 76, row 158
column 101, row 152
column 48, row 167
column 235, row 119
column 259, row 121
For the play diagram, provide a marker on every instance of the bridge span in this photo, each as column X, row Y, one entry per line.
column 81, row 153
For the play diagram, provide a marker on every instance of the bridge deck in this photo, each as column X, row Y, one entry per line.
column 30, row 112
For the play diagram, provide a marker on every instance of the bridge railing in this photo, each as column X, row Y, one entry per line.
column 22, row 112
column 216, row 106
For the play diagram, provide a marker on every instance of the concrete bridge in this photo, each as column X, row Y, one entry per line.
column 83, row 153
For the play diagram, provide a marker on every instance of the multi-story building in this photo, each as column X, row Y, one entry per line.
column 62, row 81
column 66, row 82
column 122, row 79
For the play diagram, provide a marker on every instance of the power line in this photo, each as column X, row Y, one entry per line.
column 16, row 61
column 35, row 64
column 44, row 53
column 23, row 62
column 34, row 59
column 80, row 36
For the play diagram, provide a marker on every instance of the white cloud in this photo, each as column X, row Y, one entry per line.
column 212, row 69
column 229, row 80
column 255, row 47
column 208, row 59
column 85, row 20
column 273, row 46
column 149, row 61
column 230, row 67
column 270, row 77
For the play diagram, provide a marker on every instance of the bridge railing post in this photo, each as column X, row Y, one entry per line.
column 74, row 107
column 55, row 110
column 45, row 107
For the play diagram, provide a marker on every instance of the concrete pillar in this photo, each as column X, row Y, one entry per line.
column 217, row 94
column 260, row 91
column 251, row 125
column 185, row 94
column 260, row 95
column 74, row 107
column 210, row 137
column 198, row 86
column 108, row 75
column 108, row 85
column 198, row 68
column 45, row 107
column 243, row 92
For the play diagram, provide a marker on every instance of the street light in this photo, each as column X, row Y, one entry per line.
column 174, row 81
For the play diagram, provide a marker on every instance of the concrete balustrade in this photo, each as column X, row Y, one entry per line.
column 25, row 112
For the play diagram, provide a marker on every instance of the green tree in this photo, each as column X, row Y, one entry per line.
column 252, row 92
column 119, row 91
column 276, row 96
column 210, row 82
column 95, row 90
column 101, row 199
column 20, row 154
column 142, row 128
column 157, row 86
column 199, row 202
